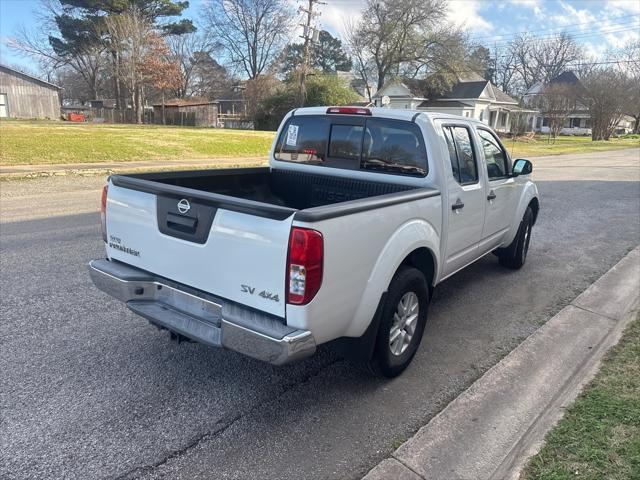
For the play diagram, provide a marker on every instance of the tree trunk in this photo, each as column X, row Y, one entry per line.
column 133, row 107
column 117, row 87
column 138, row 106
column 163, row 118
column 381, row 77
column 636, row 127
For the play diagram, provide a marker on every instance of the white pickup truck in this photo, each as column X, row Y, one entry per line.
column 360, row 214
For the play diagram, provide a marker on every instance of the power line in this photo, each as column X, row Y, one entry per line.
column 573, row 36
column 558, row 29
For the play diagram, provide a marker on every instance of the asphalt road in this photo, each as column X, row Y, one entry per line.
column 89, row 390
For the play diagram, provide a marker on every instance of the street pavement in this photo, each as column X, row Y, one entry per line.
column 89, row 390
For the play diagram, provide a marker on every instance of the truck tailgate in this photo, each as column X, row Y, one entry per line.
column 234, row 255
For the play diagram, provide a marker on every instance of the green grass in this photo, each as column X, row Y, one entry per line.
column 48, row 142
column 34, row 142
column 599, row 438
column 542, row 147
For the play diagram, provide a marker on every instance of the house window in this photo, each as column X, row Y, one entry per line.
column 481, row 115
column 545, row 122
column 503, row 119
column 587, row 123
column 575, row 122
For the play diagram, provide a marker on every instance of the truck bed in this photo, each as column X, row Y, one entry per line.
column 275, row 193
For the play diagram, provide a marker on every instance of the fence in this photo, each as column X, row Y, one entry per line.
column 114, row 115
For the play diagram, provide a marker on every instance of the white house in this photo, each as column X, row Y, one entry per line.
column 578, row 122
column 475, row 98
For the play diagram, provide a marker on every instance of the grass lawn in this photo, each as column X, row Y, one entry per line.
column 599, row 438
column 48, row 142
column 32, row 142
column 541, row 146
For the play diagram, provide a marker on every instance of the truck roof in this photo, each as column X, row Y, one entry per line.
column 393, row 113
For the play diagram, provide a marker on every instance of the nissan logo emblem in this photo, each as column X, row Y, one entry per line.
column 183, row 206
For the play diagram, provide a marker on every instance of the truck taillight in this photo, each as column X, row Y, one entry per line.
column 304, row 265
column 103, row 212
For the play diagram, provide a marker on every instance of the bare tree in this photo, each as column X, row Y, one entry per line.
column 395, row 33
column 505, row 70
column 130, row 33
column 540, row 60
column 629, row 62
column 607, row 98
column 257, row 90
column 87, row 60
column 362, row 63
column 193, row 51
column 252, row 32
column 556, row 102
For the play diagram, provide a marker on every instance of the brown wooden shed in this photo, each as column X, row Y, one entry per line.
column 187, row 113
column 25, row 96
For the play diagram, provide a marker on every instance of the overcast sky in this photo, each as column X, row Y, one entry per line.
column 597, row 24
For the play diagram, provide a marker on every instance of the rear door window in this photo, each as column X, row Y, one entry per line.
column 461, row 154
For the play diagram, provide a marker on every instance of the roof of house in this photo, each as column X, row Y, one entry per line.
column 566, row 77
column 13, row 71
column 501, row 96
column 465, row 89
column 443, row 104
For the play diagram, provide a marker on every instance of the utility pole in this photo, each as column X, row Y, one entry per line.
column 310, row 35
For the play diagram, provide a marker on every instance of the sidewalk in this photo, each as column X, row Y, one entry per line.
column 45, row 170
column 492, row 428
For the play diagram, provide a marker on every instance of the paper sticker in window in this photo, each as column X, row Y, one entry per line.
column 292, row 135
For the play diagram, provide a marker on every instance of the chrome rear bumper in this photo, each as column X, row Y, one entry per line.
column 202, row 317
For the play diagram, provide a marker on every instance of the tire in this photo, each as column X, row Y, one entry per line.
column 408, row 288
column 515, row 255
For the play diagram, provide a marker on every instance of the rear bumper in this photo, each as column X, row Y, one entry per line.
column 202, row 317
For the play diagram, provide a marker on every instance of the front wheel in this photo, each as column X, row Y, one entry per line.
column 515, row 254
column 404, row 316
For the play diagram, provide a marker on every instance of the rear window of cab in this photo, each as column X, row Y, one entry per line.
column 356, row 143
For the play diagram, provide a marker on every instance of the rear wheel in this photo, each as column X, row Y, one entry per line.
column 404, row 316
column 515, row 254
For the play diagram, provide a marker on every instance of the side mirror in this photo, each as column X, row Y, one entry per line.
column 522, row 167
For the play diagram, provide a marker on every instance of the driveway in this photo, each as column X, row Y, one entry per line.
column 89, row 390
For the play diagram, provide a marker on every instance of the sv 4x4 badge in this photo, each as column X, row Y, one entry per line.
column 263, row 293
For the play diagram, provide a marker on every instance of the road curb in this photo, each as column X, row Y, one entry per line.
column 492, row 428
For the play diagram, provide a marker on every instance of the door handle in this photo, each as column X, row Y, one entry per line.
column 458, row 205
column 491, row 196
